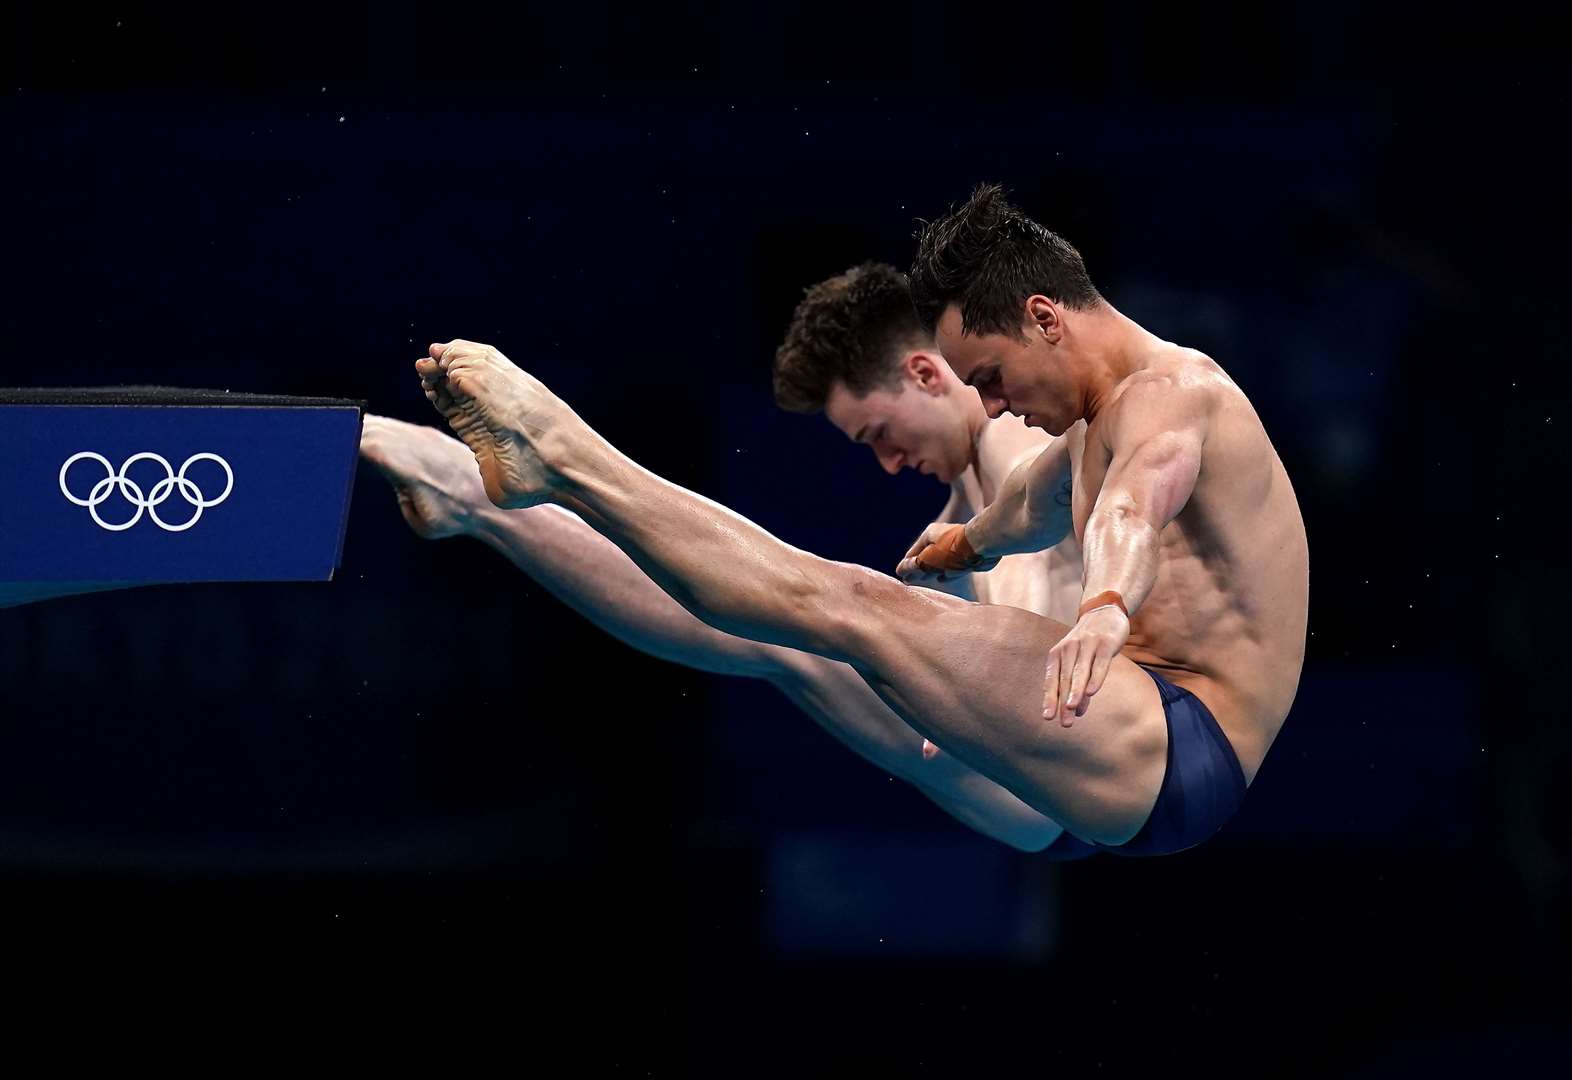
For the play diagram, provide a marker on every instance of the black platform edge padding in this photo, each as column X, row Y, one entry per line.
column 163, row 395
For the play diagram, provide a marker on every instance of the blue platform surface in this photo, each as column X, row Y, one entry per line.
column 166, row 486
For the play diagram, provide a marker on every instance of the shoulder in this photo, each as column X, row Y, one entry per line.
column 1179, row 393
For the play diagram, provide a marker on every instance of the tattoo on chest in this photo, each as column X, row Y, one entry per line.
column 1062, row 496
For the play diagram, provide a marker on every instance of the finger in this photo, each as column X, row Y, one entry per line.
column 1100, row 665
column 935, row 560
column 1069, row 661
column 427, row 367
column 1083, row 661
column 1097, row 671
column 1071, row 711
column 1078, row 692
column 918, row 544
column 1056, row 662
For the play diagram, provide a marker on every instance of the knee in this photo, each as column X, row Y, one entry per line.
column 855, row 608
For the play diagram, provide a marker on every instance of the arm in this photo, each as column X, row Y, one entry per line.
column 1031, row 512
column 1155, row 441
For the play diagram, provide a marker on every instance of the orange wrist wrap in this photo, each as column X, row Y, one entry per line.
column 952, row 551
column 1103, row 599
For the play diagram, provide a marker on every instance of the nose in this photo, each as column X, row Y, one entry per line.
column 995, row 407
column 892, row 462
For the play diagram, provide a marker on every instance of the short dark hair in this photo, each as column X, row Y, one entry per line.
column 988, row 257
column 846, row 329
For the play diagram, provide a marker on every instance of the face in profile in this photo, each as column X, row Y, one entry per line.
column 1025, row 375
column 914, row 424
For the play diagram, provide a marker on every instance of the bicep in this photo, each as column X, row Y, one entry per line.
column 1156, row 461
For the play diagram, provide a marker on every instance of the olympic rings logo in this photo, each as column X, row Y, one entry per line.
column 150, row 502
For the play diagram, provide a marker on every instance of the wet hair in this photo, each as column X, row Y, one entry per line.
column 988, row 257
column 848, row 329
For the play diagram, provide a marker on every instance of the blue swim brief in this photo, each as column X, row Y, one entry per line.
column 1202, row 786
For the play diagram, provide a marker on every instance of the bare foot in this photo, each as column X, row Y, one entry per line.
column 432, row 474
column 501, row 412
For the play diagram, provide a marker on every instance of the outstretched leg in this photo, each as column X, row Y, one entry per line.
column 968, row 676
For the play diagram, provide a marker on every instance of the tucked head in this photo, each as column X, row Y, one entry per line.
column 1001, row 295
column 856, row 350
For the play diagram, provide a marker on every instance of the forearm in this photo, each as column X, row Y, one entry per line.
column 1032, row 509
column 837, row 698
column 592, row 576
column 1120, row 554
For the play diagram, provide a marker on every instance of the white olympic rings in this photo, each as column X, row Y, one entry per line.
column 160, row 492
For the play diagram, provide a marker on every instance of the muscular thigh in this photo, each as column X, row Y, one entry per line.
column 969, row 677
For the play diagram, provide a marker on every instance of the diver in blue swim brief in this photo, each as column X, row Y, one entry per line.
column 1195, row 560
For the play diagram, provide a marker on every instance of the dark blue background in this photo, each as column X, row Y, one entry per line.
column 429, row 785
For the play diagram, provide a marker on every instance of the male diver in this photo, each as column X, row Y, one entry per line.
column 855, row 350
column 1186, row 651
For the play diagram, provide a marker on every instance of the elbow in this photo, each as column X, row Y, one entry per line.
column 1121, row 519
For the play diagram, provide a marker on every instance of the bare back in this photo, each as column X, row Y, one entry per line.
column 1227, row 616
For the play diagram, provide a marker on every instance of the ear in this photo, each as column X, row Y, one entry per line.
column 1043, row 318
column 923, row 370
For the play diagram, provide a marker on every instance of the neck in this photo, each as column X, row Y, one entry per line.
column 1113, row 346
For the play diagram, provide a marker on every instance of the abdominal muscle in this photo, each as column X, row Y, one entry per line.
column 1048, row 583
column 1236, row 650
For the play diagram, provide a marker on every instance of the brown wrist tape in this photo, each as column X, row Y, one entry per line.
column 952, row 551
column 1103, row 599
